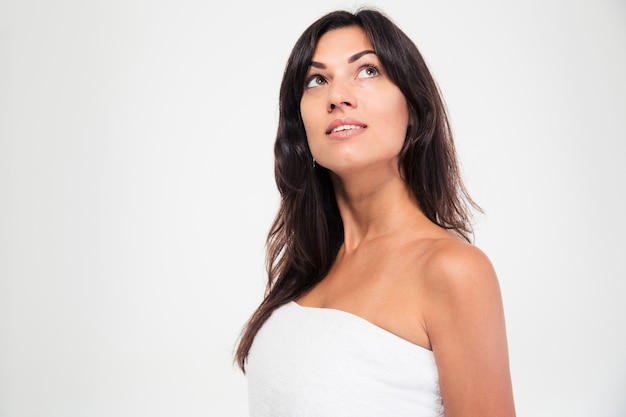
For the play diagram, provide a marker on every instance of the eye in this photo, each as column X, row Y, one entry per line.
column 315, row 81
column 368, row 71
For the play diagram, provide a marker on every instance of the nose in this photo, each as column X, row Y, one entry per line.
column 340, row 95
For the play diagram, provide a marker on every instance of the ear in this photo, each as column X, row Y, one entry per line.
column 411, row 127
column 413, row 122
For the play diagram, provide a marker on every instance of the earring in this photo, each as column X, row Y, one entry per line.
column 313, row 162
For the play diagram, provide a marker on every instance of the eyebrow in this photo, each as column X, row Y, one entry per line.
column 350, row 60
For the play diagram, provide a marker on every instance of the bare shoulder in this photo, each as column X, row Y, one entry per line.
column 452, row 265
column 461, row 289
column 464, row 320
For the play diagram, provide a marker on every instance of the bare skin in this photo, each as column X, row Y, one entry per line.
column 396, row 268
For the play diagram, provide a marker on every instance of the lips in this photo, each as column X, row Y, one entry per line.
column 343, row 125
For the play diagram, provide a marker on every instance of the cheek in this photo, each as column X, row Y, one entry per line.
column 306, row 118
column 395, row 113
column 311, row 121
column 401, row 111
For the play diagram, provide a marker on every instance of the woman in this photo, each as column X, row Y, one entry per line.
column 377, row 303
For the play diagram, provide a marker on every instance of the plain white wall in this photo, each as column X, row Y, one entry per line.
column 136, row 189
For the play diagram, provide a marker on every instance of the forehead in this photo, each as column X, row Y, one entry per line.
column 341, row 43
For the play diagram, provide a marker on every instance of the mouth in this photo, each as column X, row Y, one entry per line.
column 344, row 127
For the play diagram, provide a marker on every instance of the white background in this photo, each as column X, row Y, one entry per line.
column 136, row 190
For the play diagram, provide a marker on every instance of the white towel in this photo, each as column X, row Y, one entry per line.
column 320, row 362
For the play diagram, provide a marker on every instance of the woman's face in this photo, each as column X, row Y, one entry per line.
column 354, row 116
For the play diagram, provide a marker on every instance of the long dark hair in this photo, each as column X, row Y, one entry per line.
column 308, row 231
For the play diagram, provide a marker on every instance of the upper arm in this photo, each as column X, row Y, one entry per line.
column 466, row 328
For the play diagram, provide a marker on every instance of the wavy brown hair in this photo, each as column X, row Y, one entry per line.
column 308, row 231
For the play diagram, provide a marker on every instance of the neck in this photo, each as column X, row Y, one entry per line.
column 372, row 206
